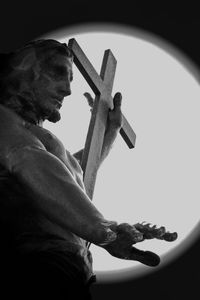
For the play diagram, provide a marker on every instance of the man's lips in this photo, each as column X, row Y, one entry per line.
column 58, row 101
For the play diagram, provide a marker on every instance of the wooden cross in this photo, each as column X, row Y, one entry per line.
column 102, row 87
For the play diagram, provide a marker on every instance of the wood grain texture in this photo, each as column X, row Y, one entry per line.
column 102, row 87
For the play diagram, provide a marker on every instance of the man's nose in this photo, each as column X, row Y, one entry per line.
column 68, row 92
column 65, row 90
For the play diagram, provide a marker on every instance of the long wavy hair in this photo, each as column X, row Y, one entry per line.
column 10, row 80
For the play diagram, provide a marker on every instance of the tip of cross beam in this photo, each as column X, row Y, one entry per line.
column 128, row 134
column 71, row 42
column 109, row 52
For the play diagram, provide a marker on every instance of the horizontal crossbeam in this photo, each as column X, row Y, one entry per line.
column 102, row 87
column 98, row 86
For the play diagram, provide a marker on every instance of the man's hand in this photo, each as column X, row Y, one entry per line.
column 128, row 235
column 115, row 116
column 114, row 123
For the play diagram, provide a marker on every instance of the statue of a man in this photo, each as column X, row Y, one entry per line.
column 46, row 217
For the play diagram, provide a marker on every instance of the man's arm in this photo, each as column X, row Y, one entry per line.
column 56, row 193
column 53, row 191
column 113, row 127
column 49, row 183
column 114, row 124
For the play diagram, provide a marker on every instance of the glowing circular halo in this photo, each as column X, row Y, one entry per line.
column 157, row 181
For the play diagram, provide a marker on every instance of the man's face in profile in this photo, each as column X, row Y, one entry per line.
column 52, row 85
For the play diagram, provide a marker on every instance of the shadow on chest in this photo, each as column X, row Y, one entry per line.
column 56, row 147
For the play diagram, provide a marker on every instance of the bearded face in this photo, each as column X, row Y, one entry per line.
column 51, row 86
column 37, row 84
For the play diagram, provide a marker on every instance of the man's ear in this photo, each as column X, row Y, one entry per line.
column 26, row 60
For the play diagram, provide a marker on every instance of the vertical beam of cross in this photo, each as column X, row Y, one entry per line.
column 102, row 87
column 97, row 127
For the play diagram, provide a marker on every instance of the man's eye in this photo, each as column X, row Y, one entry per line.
column 57, row 72
column 60, row 71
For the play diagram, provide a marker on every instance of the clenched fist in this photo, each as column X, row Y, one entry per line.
column 114, row 123
column 114, row 115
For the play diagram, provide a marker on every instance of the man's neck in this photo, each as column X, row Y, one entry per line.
column 32, row 119
column 39, row 123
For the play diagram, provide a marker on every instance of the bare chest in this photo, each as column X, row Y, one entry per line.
column 56, row 147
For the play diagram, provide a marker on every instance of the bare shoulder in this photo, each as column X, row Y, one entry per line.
column 10, row 124
column 13, row 133
column 8, row 118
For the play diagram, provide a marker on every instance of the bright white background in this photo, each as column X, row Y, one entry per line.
column 158, row 181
